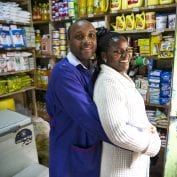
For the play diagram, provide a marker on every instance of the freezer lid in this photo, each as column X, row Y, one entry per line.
column 11, row 121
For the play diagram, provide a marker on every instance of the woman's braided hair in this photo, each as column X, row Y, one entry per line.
column 104, row 40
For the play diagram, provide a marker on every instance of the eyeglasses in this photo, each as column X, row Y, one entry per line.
column 123, row 53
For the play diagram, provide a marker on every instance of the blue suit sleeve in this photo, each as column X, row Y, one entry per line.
column 78, row 104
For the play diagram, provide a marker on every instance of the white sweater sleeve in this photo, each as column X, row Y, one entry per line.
column 114, row 118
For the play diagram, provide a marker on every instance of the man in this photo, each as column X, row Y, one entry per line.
column 76, row 132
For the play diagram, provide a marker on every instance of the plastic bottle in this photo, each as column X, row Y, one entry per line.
column 38, row 42
column 38, row 77
column 45, row 44
column 34, row 12
column 44, row 77
column 44, row 12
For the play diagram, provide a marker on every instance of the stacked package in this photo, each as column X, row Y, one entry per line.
column 14, row 37
column 159, row 87
column 10, row 11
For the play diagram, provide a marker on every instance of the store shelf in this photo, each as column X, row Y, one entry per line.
column 16, row 72
column 160, row 126
column 13, row 23
column 62, row 19
column 158, row 8
column 42, row 22
column 93, row 16
column 46, row 56
column 157, row 105
column 42, row 89
column 17, row 49
column 19, row 91
column 153, row 31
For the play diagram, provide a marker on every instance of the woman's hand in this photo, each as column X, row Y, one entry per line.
column 151, row 128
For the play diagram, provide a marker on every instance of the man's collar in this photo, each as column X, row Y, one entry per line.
column 73, row 60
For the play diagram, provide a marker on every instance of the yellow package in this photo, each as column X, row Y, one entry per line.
column 130, row 22
column 145, row 41
column 155, row 44
column 140, row 21
column 7, row 103
column 120, row 23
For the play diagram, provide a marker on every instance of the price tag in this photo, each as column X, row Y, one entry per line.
column 90, row 15
column 151, row 7
column 135, row 9
column 134, row 31
column 150, row 30
column 160, row 30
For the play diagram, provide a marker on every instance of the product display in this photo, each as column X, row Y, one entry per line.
column 31, row 42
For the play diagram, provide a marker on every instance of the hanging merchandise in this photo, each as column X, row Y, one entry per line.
column 101, row 6
column 115, row 5
column 135, row 3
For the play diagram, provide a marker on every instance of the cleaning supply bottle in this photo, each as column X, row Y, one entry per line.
column 140, row 21
column 120, row 23
column 130, row 22
column 115, row 5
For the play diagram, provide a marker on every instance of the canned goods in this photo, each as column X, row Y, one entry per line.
column 62, row 47
column 63, row 53
column 55, row 42
column 62, row 30
column 71, row 4
column 63, row 42
column 71, row 12
column 55, row 34
column 56, row 51
column 62, row 36
column 150, row 20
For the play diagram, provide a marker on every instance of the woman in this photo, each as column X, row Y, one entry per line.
column 122, row 112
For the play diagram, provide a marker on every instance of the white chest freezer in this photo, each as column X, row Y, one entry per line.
column 18, row 154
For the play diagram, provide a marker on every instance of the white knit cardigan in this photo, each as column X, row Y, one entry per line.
column 122, row 114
